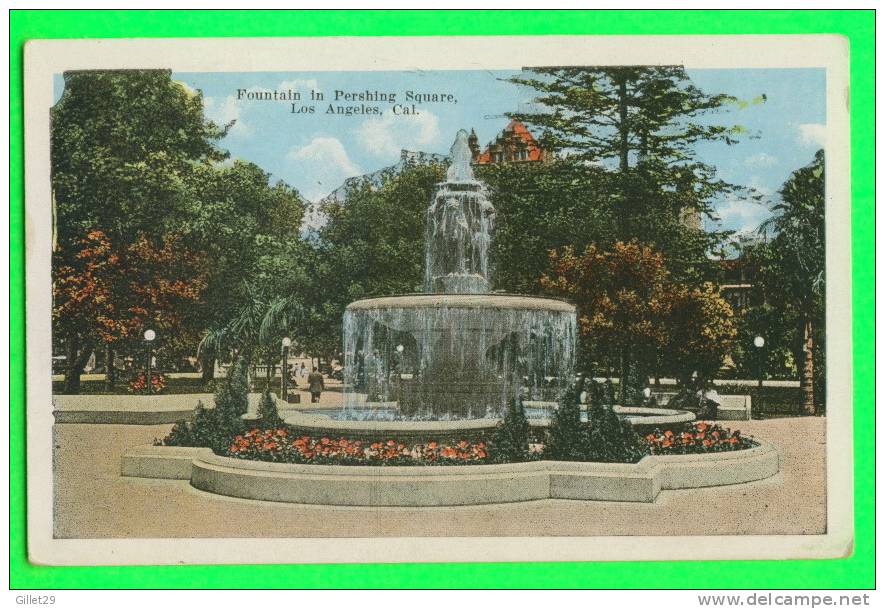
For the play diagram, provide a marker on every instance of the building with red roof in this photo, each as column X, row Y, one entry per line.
column 515, row 144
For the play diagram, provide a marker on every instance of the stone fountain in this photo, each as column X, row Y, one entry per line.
column 459, row 350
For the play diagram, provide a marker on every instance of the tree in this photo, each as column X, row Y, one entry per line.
column 622, row 303
column 123, row 144
column 109, row 293
column 792, row 269
column 568, row 436
column 372, row 245
column 637, row 317
column 249, row 228
column 701, row 331
column 642, row 123
column 540, row 207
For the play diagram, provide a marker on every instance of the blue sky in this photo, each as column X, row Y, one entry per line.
column 316, row 152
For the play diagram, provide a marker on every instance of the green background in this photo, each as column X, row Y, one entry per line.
column 856, row 571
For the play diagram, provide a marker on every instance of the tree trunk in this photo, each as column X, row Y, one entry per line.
column 77, row 356
column 624, row 162
column 110, row 374
column 269, row 373
column 208, row 369
column 806, row 378
column 622, row 384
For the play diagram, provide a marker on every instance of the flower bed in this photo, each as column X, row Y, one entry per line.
column 280, row 445
column 701, row 438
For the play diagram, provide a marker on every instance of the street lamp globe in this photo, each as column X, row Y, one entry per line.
column 149, row 335
column 646, row 392
column 400, row 348
column 287, row 342
column 759, row 342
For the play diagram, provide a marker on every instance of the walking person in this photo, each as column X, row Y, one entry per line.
column 315, row 385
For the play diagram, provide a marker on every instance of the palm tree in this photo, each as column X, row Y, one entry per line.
column 240, row 336
column 795, row 260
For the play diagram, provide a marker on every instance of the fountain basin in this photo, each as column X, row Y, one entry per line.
column 469, row 301
column 461, row 356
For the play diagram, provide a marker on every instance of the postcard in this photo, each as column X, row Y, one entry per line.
column 416, row 299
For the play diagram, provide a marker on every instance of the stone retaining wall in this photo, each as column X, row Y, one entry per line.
column 424, row 486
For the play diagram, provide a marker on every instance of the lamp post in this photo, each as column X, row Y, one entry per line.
column 284, row 371
column 759, row 342
column 149, row 336
column 399, row 358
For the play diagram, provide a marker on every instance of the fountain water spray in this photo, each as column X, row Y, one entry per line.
column 457, row 351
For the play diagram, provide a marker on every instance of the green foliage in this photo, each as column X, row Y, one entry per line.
column 543, row 206
column 638, row 316
column 788, row 268
column 372, row 245
column 611, row 439
column 250, row 228
column 605, row 438
column 232, row 395
column 209, row 428
column 268, row 415
column 510, row 442
column 642, row 123
column 123, row 145
column 567, row 437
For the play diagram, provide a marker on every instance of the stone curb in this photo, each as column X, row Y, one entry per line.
column 425, row 486
column 133, row 409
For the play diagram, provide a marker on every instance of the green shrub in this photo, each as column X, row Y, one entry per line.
column 611, row 438
column 567, row 437
column 232, row 394
column 268, row 415
column 605, row 437
column 510, row 442
column 209, row 427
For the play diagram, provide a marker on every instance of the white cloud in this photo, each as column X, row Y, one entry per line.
column 387, row 135
column 301, row 85
column 227, row 110
column 325, row 162
column 742, row 215
column 761, row 159
column 812, row 134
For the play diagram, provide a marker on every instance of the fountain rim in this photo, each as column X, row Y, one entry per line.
column 488, row 300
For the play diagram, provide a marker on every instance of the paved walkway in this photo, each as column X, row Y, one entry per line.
column 92, row 499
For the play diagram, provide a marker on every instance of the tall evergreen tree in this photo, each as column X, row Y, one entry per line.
column 642, row 123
